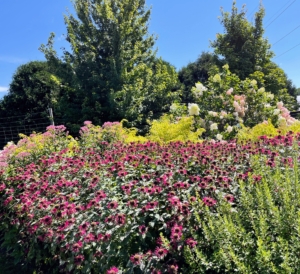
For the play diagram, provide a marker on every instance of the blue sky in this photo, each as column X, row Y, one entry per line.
column 184, row 29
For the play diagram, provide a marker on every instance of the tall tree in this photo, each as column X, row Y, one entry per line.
column 242, row 46
column 25, row 108
column 248, row 53
column 111, row 53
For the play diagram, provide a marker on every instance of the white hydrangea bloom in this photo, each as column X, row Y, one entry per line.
column 229, row 129
column 214, row 126
column 219, row 137
column 173, row 107
column 276, row 111
column 213, row 113
column 200, row 87
column 270, row 96
column 193, row 109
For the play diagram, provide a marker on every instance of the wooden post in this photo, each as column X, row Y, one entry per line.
column 51, row 116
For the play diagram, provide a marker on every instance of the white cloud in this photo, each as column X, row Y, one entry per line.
column 3, row 89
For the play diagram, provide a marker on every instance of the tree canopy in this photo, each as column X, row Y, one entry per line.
column 112, row 61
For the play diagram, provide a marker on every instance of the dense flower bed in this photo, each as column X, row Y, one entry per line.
column 125, row 208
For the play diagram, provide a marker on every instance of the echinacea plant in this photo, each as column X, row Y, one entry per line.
column 125, row 208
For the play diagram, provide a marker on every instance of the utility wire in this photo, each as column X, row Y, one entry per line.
column 251, row 13
column 269, row 19
column 280, row 14
column 286, row 35
column 287, row 51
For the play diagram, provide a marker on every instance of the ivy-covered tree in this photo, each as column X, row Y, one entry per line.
column 243, row 47
column 112, row 60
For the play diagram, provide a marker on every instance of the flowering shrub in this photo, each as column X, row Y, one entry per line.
column 124, row 208
column 228, row 103
column 31, row 148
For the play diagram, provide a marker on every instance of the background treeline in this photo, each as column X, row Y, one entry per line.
column 112, row 72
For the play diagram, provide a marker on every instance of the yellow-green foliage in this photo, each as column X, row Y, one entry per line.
column 295, row 127
column 165, row 130
column 252, row 134
column 40, row 143
column 265, row 129
column 131, row 136
column 109, row 132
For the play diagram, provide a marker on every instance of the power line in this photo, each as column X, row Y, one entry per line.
column 280, row 14
column 286, row 35
column 287, row 51
column 253, row 10
column 277, row 12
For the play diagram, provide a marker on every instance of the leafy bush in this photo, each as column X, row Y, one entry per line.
column 259, row 233
column 266, row 129
column 30, row 148
column 167, row 130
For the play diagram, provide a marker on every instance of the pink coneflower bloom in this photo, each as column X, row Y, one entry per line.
column 2, row 187
column 191, row 242
column 160, row 252
column 133, row 203
column 106, row 237
column 112, row 205
column 229, row 198
column 126, row 188
column 120, row 219
column 209, row 201
column 174, row 201
column 175, row 237
column 256, row 178
column 78, row 259
column 177, row 228
column 113, row 270
column 136, row 259
column 83, row 228
column 193, row 199
column 89, row 238
column 109, row 219
column 60, row 238
column 151, row 205
column 47, row 220
column 8, row 200
column 143, row 229
column 77, row 246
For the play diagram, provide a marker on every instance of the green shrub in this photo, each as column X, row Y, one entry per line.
column 258, row 234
